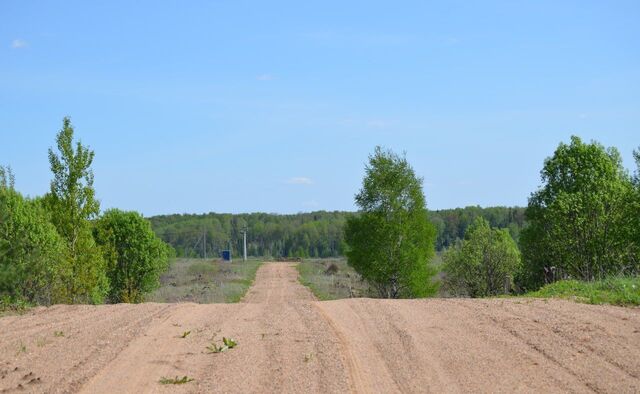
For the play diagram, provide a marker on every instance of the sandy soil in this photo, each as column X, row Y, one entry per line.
column 288, row 342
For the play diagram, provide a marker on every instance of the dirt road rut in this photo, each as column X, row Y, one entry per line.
column 288, row 342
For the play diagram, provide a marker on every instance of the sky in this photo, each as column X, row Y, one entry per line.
column 274, row 106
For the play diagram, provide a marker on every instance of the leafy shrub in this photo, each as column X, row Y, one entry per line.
column 32, row 254
column 136, row 256
column 484, row 263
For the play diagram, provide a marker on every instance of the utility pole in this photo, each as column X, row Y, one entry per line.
column 204, row 243
column 244, row 240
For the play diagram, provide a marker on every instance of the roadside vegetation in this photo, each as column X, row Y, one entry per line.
column 205, row 281
column 58, row 248
column 318, row 234
column 584, row 222
column 482, row 264
column 391, row 241
column 580, row 232
column 581, row 235
column 332, row 279
column 623, row 291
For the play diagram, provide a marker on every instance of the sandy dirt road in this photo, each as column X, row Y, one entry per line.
column 288, row 342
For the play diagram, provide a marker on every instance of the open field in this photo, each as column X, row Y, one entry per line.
column 334, row 279
column 288, row 342
column 205, row 281
column 331, row 279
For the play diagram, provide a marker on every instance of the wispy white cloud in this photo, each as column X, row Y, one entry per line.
column 265, row 77
column 299, row 180
column 19, row 43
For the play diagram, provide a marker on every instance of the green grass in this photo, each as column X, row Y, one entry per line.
column 623, row 291
column 9, row 306
column 345, row 283
column 205, row 281
column 176, row 380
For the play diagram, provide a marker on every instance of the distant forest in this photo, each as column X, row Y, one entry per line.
column 314, row 234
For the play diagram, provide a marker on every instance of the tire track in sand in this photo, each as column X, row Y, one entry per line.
column 291, row 343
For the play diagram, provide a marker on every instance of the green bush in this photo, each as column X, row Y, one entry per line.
column 32, row 254
column 135, row 255
column 483, row 264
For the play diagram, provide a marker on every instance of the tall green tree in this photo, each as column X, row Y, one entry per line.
column 31, row 251
column 484, row 263
column 136, row 256
column 392, row 241
column 579, row 221
column 72, row 204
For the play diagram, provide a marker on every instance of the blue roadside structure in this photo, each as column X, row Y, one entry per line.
column 226, row 255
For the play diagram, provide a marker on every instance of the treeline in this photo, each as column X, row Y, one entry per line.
column 314, row 234
column 451, row 224
column 59, row 248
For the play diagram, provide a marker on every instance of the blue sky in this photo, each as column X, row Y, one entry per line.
column 236, row 106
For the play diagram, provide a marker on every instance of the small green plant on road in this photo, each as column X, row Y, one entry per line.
column 176, row 380
column 185, row 334
column 227, row 343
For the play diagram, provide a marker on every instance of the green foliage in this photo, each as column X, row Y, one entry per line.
column 452, row 224
column 32, row 253
column 135, row 255
column 176, row 380
column 185, row 334
column 581, row 222
column 391, row 241
column 483, row 264
column 636, row 157
column 72, row 205
column 10, row 305
column 48, row 249
column 623, row 291
column 227, row 343
column 7, row 179
column 317, row 234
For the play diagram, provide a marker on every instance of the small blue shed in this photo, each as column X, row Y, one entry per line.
column 226, row 255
